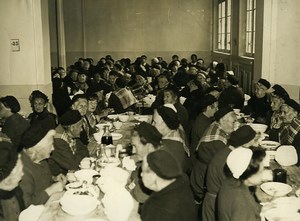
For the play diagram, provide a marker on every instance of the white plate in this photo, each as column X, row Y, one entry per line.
column 78, row 205
column 284, row 208
column 113, row 116
column 270, row 145
column 116, row 136
column 276, row 188
column 85, row 175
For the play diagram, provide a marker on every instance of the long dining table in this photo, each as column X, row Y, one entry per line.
column 53, row 210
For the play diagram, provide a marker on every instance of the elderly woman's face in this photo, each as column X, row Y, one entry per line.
column 260, row 90
column 276, row 103
column 81, row 105
column 92, row 105
column 287, row 114
column 39, row 104
column 162, row 82
column 228, row 122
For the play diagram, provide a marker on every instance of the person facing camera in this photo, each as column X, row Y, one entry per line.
column 172, row 199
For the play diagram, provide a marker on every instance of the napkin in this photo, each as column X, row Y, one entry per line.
column 128, row 164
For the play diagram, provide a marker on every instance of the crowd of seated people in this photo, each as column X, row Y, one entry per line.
column 194, row 135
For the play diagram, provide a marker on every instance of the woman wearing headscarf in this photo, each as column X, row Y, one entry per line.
column 166, row 120
column 244, row 168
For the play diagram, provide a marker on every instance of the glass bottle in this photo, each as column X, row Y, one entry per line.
column 106, row 137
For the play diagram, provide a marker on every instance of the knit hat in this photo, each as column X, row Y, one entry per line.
column 222, row 112
column 8, row 159
column 163, row 164
column 70, row 117
column 207, row 100
column 169, row 116
column 241, row 136
column 232, row 79
column 265, row 83
column 34, row 134
column 149, row 132
column 238, row 161
column 11, row 102
column 293, row 104
column 280, row 92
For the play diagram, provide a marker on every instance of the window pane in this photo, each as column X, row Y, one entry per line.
column 253, row 47
column 228, row 7
column 250, row 4
column 222, row 41
column 254, row 20
column 223, row 25
column 228, row 25
column 248, row 22
column 228, row 42
column 220, row 10
column 254, row 4
column 223, row 9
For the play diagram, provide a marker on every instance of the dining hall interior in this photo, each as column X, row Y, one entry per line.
column 158, row 109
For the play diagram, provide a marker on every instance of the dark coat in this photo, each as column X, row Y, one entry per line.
column 173, row 203
column 11, row 204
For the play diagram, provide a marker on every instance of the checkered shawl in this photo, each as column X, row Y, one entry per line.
column 288, row 132
column 126, row 97
column 214, row 132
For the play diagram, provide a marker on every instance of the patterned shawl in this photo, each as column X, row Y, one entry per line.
column 288, row 132
column 214, row 132
column 126, row 97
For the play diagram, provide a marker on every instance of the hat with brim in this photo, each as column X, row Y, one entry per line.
column 70, row 117
column 241, row 136
column 264, row 82
column 149, row 133
column 222, row 112
column 280, row 92
column 293, row 104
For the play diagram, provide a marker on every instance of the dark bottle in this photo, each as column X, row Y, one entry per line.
column 106, row 137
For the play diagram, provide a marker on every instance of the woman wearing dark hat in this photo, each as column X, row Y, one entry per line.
column 244, row 168
column 68, row 149
column 14, row 124
column 245, row 137
column 290, row 131
column 274, row 120
column 11, row 196
column 37, row 183
column 39, row 102
column 172, row 199
column 259, row 105
column 213, row 140
column 166, row 120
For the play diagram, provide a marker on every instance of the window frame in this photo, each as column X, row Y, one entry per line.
column 252, row 30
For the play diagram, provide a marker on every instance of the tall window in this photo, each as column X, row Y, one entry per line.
column 250, row 27
column 224, row 25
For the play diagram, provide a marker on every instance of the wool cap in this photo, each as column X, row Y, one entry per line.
column 241, row 136
column 232, row 79
column 11, row 102
column 70, row 117
column 169, row 116
column 8, row 159
column 293, row 104
column 207, row 100
column 149, row 132
column 38, row 94
column 163, row 164
column 265, row 83
column 34, row 134
column 238, row 161
column 222, row 112
column 280, row 92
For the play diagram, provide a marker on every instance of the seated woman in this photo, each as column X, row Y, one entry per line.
column 14, row 124
column 166, row 120
column 141, row 87
column 40, row 114
column 122, row 99
column 68, row 149
column 37, row 183
column 244, row 168
column 274, row 120
column 290, row 132
column 11, row 167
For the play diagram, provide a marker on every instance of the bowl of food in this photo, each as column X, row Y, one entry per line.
column 259, row 128
column 101, row 126
column 78, row 205
column 269, row 144
column 85, row 175
column 123, row 117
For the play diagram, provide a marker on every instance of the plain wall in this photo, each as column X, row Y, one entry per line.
column 130, row 28
column 28, row 69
